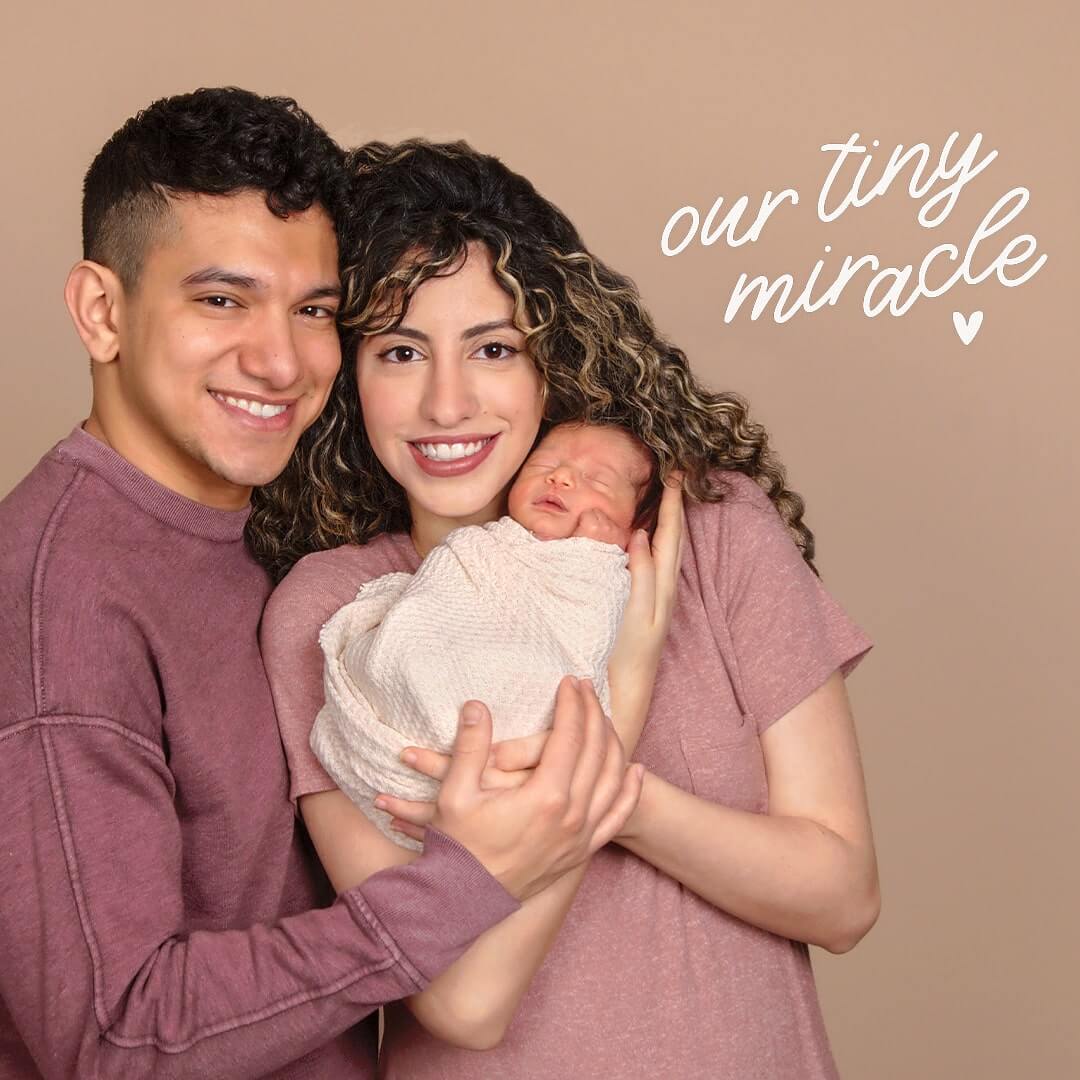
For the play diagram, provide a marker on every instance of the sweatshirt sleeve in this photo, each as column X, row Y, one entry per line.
column 103, row 972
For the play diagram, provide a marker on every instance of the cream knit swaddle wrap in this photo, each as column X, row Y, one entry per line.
column 493, row 614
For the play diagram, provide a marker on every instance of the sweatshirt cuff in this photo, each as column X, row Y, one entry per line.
column 434, row 908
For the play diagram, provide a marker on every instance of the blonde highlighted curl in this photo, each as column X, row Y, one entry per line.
column 415, row 208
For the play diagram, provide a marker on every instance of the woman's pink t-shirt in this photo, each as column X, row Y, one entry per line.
column 645, row 978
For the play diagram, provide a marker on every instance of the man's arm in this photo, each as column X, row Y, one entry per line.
column 472, row 1003
column 102, row 976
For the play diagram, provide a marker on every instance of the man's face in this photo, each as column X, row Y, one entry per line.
column 227, row 346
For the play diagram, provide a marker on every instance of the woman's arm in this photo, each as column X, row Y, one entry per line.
column 582, row 773
column 473, row 1002
column 805, row 870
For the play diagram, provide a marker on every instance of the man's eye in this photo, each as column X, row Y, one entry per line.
column 218, row 301
column 495, row 350
column 317, row 311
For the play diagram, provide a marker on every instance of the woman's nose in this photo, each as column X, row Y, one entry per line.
column 449, row 397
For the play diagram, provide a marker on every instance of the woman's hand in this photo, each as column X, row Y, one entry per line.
column 654, row 579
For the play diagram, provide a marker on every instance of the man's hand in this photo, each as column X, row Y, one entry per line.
column 530, row 832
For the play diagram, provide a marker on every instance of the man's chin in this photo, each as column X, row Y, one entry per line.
column 248, row 474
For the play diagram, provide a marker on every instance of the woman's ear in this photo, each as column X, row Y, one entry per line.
column 94, row 298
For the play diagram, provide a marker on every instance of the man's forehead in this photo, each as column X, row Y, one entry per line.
column 220, row 230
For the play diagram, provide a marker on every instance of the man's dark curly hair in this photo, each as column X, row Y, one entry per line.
column 210, row 142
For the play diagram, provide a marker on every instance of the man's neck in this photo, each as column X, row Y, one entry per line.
column 200, row 486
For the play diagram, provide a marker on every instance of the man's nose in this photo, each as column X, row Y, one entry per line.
column 270, row 354
column 449, row 396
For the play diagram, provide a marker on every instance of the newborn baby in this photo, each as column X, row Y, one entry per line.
column 497, row 612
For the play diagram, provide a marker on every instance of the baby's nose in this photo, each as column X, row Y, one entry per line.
column 562, row 475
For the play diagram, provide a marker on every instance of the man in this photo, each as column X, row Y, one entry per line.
column 158, row 906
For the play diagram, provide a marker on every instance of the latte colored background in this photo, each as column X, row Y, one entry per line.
column 941, row 480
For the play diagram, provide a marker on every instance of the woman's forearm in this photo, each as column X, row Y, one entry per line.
column 472, row 1003
column 792, row 876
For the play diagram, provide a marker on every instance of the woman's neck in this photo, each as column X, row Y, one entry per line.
column 428, row 529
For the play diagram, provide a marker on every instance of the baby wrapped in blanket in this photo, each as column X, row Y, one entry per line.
column 497, row 612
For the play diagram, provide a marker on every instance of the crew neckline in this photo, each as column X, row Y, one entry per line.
column 167, row 506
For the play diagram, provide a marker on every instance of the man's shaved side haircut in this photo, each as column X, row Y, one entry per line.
column 209, row 142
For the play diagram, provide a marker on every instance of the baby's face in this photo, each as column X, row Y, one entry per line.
column 581, row 481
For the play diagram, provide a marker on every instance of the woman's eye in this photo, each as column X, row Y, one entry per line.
column 495, row 350
column 400, row 354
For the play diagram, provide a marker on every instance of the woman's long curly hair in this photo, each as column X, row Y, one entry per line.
column 416, row 207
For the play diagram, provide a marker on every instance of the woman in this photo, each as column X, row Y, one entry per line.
column 476, row 315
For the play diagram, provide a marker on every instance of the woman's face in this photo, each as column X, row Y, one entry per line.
column 451, row 401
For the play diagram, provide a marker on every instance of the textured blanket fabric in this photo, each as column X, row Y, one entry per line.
column 492, row 614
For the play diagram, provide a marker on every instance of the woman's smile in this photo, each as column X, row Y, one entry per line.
column 452, row 457
column 451, row 399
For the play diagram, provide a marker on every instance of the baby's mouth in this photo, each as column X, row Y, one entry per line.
column 551, row 502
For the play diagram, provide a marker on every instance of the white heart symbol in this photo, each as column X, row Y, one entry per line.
column 967, row 328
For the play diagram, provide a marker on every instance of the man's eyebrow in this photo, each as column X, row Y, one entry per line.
column 217, row 275
column 324, row 292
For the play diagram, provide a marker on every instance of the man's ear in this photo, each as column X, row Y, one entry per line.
column 94, row 298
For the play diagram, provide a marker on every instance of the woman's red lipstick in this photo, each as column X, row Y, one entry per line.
column 458, row 466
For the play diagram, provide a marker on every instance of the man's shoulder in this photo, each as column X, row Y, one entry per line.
column 62, row 511
column 30, row 515
column 40, row 552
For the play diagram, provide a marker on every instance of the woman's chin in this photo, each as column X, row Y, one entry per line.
column 459, row 508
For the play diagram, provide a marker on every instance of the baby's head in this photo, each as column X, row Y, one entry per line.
column 584, row 480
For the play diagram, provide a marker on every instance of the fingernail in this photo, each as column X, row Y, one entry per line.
column 380, row 803
column 408, row 756
column 574, row 682
column 470, row 715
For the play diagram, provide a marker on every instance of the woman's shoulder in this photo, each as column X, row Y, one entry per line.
column 742, row 503
column 323, row 581
column 742, row 529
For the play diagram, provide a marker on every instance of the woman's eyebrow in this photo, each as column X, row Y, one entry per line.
column 487, row 328
column 473, row 331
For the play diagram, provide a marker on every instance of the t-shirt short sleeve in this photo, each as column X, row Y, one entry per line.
column 788, row 633
column 289, row 638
